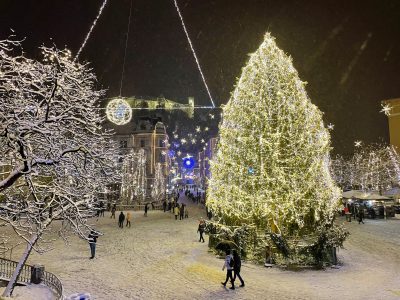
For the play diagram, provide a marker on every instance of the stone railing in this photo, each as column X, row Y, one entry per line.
column 7, row 268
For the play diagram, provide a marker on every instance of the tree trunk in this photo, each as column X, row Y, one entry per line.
column 11, row 284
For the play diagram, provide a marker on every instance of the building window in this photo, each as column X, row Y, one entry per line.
column 142, row 143
column 123, row 144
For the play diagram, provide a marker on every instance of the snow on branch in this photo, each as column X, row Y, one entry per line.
column 55, row 156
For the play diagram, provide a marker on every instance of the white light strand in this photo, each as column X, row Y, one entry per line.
column 194, row 53
column 126, row 46
column 91, row 29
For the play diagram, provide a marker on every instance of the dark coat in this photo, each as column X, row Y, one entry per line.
column 121, row 217
column 93, row 237
column 237, row 263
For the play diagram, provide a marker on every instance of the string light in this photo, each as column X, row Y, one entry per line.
column 90, row 30
column 118, row 111
column 357, row 143
column 331, row 126
column 194, row 53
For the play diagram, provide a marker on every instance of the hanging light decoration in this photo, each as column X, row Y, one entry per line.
column 118, row 111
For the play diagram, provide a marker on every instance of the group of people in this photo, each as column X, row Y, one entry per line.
column 180, row 210
column 355, row 212
column 233, row 265
column 122, row 218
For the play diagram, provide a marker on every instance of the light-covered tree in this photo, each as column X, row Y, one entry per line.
column 373, row 167
column 56, row 155
column 271, row 170
column 159, row 185
column 133, row 185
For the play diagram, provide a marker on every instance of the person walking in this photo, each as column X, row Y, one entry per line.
column 92, row 238
column 176, row 211
column 181, row 211
column 146, row 208
column 237, row 264
column 200, row 230
column 128, row 219
column 360, row 215
column 113, row 209
column 186, row 213
column 228, row 264
column 164, row 205
column 121, row 220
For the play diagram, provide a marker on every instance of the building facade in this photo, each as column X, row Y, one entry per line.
column 150, row 136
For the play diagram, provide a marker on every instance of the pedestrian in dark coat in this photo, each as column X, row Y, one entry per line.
column 360, row 215
column 164, row 205
column 181, row 211
column 237, row 264
column 202, row 227
column 146, row 208
column 92, row 243
column 121, row 220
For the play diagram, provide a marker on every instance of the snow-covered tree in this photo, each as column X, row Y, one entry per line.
column 373, row 167
column 133, row 185
column 56, row 154
column 271, row 169
column 159, row 184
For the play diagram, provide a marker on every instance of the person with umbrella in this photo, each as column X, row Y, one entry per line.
column 228, row 264
column 237, row 264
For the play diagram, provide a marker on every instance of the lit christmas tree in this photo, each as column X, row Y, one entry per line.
column 271, row 171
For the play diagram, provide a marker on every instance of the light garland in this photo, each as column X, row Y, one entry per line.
column 119, row 111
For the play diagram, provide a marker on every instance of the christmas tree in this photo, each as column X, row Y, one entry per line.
column 271, row 170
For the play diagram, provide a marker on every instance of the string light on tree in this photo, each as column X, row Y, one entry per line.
column 357, row 144
column 198, row 129
column 331, row 126
column 257, row 180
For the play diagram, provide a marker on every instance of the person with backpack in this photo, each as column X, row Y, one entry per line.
column 228, row 264
column 202, row 227
column 237, row 264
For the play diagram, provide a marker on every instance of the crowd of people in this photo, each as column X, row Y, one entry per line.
column 232, row 262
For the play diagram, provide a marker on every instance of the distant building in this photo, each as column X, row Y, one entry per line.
column 150, row 135
column 394, row 122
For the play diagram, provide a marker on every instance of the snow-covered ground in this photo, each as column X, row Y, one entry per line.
column 160, row 258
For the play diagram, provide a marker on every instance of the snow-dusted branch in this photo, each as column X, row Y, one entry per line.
column 55, row 156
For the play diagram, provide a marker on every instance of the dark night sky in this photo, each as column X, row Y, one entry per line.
column 347, row 51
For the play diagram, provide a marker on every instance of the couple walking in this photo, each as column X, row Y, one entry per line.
column 233, row 264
